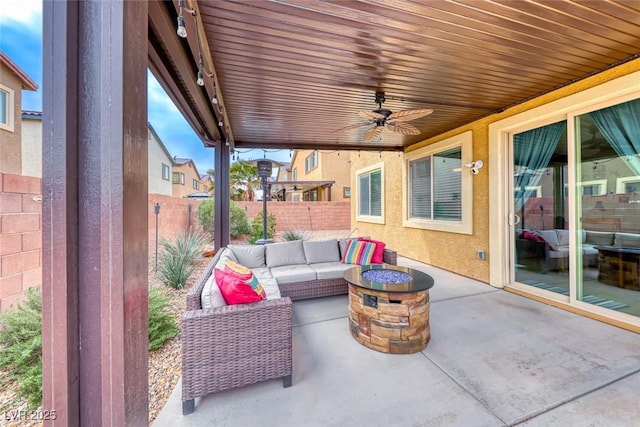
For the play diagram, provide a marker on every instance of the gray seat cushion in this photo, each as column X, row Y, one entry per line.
column 293, row 273
column 271, row 288
column 316, row 251
column 330, row 270
column 285, row 253
column 262, row 273
column 251, row 256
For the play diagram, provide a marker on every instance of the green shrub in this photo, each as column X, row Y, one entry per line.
column 162, row 324
column 205, row 216
column 21, row 347
column 21, row 341
column 177, row 260
column 291, row 235
column 256, row 227
column 239, row 221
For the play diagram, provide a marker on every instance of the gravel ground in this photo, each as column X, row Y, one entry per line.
column 164, row 364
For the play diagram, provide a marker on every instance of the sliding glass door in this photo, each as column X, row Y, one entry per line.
column 576, row 209
column 541, row 225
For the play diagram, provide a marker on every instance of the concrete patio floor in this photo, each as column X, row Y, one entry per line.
column 494, row 359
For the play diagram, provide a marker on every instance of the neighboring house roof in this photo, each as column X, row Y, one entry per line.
column 157, row 137
column 181, row 161
column 34, row 115
column 27, row 82
column 197, row 196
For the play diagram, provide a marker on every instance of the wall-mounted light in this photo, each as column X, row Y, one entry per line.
column 475, row 166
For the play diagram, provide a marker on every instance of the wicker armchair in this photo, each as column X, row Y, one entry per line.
column 238, row 345
column 233, row 346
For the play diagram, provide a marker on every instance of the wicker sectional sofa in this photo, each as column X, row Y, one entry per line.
column 227, row 346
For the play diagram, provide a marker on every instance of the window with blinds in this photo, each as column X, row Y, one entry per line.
column 370, row 197
column 439, row 187
column 436, row 185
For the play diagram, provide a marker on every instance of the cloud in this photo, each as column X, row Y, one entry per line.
column 23, row 12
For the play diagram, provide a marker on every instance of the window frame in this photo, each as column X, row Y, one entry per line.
column 368, row 170
column 196, row 184
column 311, row 162
column 346, row 192
column 621, row 183
column 165, row 167
column 465, row 225
column 295, row 174
column 10, row 108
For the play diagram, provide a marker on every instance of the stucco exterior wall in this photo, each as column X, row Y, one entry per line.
column 331, row 167
column 190, row 173
column 10, row 149
column 157, row 156
column 32, row 147
column 451, row 251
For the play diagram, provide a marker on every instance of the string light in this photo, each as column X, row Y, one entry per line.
column 220, row 122
column 214, row 98
column 200, row 79
column 181, row 31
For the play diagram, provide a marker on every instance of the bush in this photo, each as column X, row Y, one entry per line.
column 21, row 341
column 291, row 235
column 239, row 221
column 205, row 216
column 21, row 347
column 162, row 325
column 256, row 227
column 177, row 260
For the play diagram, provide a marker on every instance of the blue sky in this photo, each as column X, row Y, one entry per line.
column 21, row 39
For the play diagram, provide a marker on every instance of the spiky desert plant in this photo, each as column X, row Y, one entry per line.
column 177, row 259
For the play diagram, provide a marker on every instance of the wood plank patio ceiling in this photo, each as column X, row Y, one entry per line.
column 292, row 71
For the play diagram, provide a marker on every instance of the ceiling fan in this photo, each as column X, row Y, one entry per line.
column 382, row 118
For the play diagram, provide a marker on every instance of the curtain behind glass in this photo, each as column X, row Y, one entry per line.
column 532, row 151
column 620, row 125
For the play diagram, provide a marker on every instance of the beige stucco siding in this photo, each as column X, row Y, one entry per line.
column 32, row 147
column 452, row 251
column 10, row 145
column 157, row 157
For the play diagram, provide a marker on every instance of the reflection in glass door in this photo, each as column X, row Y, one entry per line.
column 541, row 226
column 608, row 173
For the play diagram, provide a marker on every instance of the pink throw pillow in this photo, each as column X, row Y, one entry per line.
column 235, row 290
column 378, row 252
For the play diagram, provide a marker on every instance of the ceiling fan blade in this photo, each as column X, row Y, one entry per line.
column 403, row 128
column 372, row 133
column 408, row 115
column 350, row 127
column 370, row 115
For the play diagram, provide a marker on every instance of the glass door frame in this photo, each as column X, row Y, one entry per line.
column 501, row 185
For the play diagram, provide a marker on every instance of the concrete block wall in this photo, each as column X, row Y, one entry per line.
column 174, row 218
column 304, row 216
column 20, row 237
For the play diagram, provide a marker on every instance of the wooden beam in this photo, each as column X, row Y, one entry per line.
column 95, row 261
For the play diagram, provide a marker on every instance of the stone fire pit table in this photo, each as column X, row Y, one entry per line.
column 389, row 307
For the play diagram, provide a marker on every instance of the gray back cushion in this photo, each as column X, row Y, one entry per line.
column 603, row 238
column 251, row 256
column 627, row 240
column 321, row 251
column 285, row 253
